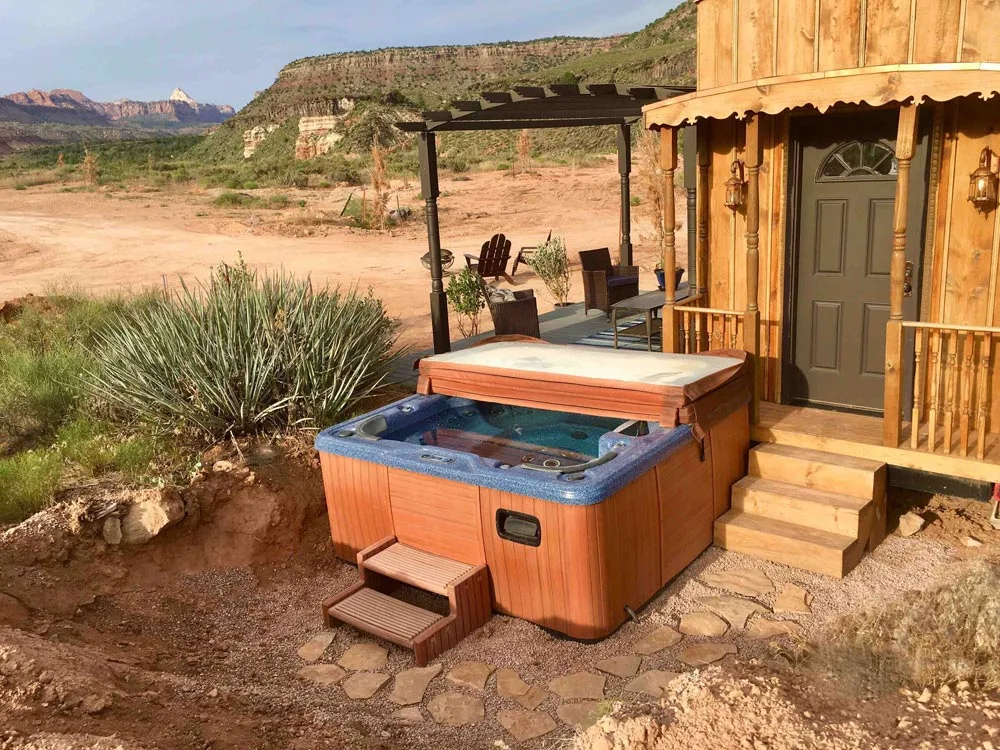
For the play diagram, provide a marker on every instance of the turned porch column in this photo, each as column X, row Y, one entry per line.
column 624, row 170
column 892, row 421
column 668, row 163
column 751, row 320
column 701, row 209
column 427, row 152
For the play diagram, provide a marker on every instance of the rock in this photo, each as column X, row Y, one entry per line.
column 362, row 685
column 223, row 467
column 581, row 716
column 364, row 657
column 910, row 523
column 746, row 581
column 111, row 530
column 703, row 654
column 652, row 683
column 525, row 725
column 793, row 599
column 578, row 685
column 12, row 612
column 255, row 136
column 456, row 709
column 532, row 699
column 408, row 715
column 656, row 641
column 411, row 684
column 702, row 623
column 312, row 649
column 620, row 666
column 734, row 610
column 510, row 684
column 94, row 704
column 924, row 697
column 971, row 541
column 322, row 674
column 471, row 674
column 147, row 518
column 317, row 135
column 761, row 629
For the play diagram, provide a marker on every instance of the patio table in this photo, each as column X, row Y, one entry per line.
column 648, row 303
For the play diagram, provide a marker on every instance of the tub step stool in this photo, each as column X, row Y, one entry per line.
column 369, row 606
column 805, row 508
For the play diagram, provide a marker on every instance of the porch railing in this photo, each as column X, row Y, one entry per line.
column 953, row 374
column 705, row 329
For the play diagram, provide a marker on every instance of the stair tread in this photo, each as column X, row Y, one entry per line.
column 383, row 615
column 418, row 568
column 808, row 454
column 809, row 494
column 796, row 532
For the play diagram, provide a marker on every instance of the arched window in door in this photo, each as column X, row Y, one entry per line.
column 860, row 160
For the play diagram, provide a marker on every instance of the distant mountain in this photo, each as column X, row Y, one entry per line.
column 36, row 117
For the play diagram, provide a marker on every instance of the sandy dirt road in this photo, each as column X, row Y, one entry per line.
column 114, row 240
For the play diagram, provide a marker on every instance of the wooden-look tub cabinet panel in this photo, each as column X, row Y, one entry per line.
column 357, row 501
column 729, row 444
column 687, row 508
column 436, row 515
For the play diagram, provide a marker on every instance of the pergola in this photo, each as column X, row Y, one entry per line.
column 529, row 107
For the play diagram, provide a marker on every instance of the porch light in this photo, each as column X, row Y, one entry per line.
column 983, row 183
column 736, row 187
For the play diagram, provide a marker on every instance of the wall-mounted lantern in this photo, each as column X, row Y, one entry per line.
column 736, row 187
column 983, row 183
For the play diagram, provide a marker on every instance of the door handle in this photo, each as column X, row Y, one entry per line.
column 908, row 279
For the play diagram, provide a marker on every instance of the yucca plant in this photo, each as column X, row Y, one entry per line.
column 243, row 354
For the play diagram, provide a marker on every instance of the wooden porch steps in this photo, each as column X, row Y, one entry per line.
column 805, row 508
column 369, row 606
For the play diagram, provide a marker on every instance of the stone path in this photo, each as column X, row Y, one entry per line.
column 582, row 715
column 411, row 684
column 748, row 582
column 364, row 657
column 578, row 685
column 793, row 599
column 473, row 674
column 620, row 666
column 525, row 725
column 322, row 674
column 656, row 641
column 703, row 654
column 652, row 683
column 315, row 646
column 703, row 624
column 456, row 709
column 363, row 685
column 734, row 610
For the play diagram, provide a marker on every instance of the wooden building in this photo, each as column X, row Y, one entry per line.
column 848, row 231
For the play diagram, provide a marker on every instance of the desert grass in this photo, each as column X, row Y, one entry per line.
column 928, row 639
column 380, row 187
column 649, row 189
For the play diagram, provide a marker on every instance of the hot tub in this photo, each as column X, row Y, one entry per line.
column 582, row 495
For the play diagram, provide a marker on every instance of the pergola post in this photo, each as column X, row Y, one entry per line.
column 892, row 420
column 427, row 151
column 668, row 163
column 624, row 169
column 751, row 320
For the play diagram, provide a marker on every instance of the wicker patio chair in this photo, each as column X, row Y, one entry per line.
column 604, row 283
column 515, row 316
column 492, row 259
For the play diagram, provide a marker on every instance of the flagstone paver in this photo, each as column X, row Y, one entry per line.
column 760, row 629
column 456, row 709
column 411, row 684
column 408, row 715
column 656, row 641
column 652, row 683
column 362, row 685
column 473, row 674
column 582, row 715
column 703, row 654
column 578, row 685
column 620, row 666
column 734, row 610
column 745, row 581
column 364, row 657
column 532, row 699
column 793, row 599
column 703, row 623
column 525, row 725
column 322, row 674
column 312, row 649
column 510, row 684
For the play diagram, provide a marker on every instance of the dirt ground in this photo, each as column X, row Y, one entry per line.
column 114, row 240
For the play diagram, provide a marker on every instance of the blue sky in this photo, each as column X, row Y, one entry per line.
column 222, row 51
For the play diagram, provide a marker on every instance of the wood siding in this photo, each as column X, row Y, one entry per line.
column 357, row 501
column 745, row 40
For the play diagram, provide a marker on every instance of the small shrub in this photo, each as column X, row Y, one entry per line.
column 233, row 200
column 278, row 201
column 97, row 448
column 468, row 299
column 28, row 482
column 323, row 185
column 635, row 200
column 20, row 186
column 250, row 185
column 551, row 263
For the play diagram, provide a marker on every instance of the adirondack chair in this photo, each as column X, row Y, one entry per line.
column 527, row 253
column 493, row 259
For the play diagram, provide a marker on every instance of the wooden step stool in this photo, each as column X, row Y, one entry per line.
column 369, row 607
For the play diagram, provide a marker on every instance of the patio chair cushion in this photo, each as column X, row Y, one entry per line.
column 622, row 280
column 496, row 295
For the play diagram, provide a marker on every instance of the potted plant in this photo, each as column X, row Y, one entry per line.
column 551, row 264
column 661, row 278
column 468, row 299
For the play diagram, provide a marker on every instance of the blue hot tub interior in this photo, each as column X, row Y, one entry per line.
column 569, row 458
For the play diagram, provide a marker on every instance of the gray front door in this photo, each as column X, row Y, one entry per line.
column 846, row 191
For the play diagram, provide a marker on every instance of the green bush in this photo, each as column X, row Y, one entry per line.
column 278, row 201
column 467, row 298
column 20, row 186
column 250, row 185
column 245, row 354
column 28, row 482
column 97, row 449
column 232, row 199
column 551, row 263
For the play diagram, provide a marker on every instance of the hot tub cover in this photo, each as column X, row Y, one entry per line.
column 670, row 389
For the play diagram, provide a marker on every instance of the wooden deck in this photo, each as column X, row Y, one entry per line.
column 861, row 436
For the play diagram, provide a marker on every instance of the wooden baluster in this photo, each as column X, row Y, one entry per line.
column 698, row 325
column 736, row 333
column 692, row 339
column 968, row 383
column 952, row 385
column 920, row 378
column 984, row 394
column 932, row 417
column 682, row 322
